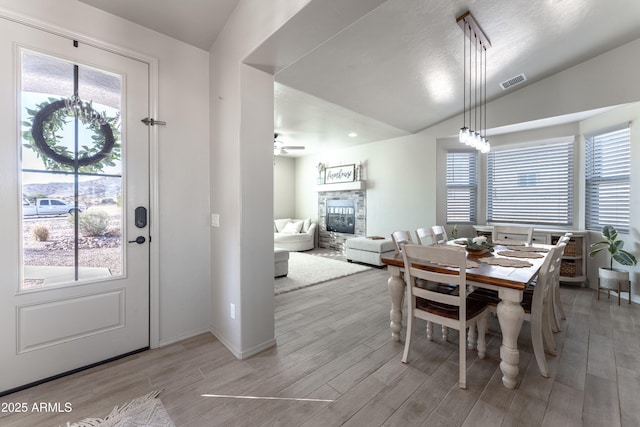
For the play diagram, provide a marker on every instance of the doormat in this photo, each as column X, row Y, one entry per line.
column 143, row 411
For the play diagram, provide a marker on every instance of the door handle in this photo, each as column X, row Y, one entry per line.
column 139, row 240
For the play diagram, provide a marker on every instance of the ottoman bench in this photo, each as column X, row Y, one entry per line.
column 281, row 260
column 369, row 250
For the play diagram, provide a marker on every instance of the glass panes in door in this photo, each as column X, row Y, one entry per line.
column 71, row 172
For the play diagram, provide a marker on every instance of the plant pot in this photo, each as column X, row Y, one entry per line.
column 613, row 274
column 477, row 252
column 614, row 279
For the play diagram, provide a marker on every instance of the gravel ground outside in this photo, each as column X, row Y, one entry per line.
column 59, row 248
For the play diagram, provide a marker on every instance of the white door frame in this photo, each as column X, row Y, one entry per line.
column 154, row 228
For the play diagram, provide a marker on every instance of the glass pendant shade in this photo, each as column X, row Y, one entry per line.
column 463, row 135
column 476, row 82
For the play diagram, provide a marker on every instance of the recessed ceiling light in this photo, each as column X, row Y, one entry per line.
column 352, row 135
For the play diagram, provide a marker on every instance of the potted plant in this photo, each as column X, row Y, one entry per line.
column 454, row 231
column 478, row 245
column 609, row 275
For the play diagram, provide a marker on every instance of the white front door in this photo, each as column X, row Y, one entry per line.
column 74, row 288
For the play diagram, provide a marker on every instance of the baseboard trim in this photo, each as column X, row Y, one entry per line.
column 181, row 337
column 259, row 348
column 242, row 354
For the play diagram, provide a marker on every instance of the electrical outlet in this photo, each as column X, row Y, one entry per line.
column 215, row 220
column 233, row 310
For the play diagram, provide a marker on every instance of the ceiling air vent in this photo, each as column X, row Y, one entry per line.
column 513, row 81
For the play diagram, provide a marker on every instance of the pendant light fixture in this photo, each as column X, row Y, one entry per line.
column 476, row 76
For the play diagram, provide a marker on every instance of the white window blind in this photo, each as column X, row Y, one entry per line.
column 532, row 185
column 607, row 175
column 462, row 186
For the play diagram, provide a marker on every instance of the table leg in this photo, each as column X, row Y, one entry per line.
column 510, row 316
column 396, row 290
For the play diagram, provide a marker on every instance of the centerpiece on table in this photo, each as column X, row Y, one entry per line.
column 478, row 245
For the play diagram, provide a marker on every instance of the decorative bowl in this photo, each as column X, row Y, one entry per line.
column 477, row 252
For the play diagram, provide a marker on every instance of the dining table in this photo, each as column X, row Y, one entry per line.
column 484, row 271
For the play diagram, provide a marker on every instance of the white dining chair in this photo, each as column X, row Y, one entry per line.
column 538, row 310
column 400, row 238
column 425, row 236
column 557, row 310
column 439, row 234
column 536, row 303
column 451, row 310
column 512, row 234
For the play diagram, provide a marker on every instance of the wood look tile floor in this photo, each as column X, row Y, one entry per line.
column 334, row 344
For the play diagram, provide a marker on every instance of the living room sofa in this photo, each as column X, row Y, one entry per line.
column 294, row 234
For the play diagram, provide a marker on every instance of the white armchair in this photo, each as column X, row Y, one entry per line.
column 294, row 234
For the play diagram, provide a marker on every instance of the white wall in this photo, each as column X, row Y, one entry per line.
column 284, row 174
column 241, row 181
column 182, row 147
column 401, row 182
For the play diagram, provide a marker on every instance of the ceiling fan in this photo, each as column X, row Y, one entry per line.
column 279, row 147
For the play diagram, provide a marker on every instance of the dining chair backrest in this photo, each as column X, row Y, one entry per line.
column 553, row 281
column 517, row 233
column 563, row 240
column 557, row 262
column 544, row 281
column 425, row 236
column 436, row 256
column 439, row 234
column 537, row 310
column 401, row 238
column 556, row 310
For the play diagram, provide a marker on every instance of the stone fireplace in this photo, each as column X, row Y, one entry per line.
column 341, row 216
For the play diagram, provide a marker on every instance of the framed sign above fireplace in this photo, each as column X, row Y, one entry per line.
column 337, row 174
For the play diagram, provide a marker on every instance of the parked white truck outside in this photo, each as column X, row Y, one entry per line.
column 48, row 206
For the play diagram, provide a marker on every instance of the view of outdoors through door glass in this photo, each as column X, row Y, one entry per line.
column 71, row 172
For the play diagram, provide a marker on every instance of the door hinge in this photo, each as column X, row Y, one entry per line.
column 152, row 122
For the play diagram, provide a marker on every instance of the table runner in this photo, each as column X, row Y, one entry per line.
column 470, row 264
column 505, row 262
column 523, row 248
column 520, row 254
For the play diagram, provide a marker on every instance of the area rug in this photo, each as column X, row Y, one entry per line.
column 146, row 411
column 308, row 270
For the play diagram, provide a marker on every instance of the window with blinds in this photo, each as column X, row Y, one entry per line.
column 462, row 186
column 531, row 185
column 607, row 176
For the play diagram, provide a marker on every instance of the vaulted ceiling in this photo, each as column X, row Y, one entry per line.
column 396, row 68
